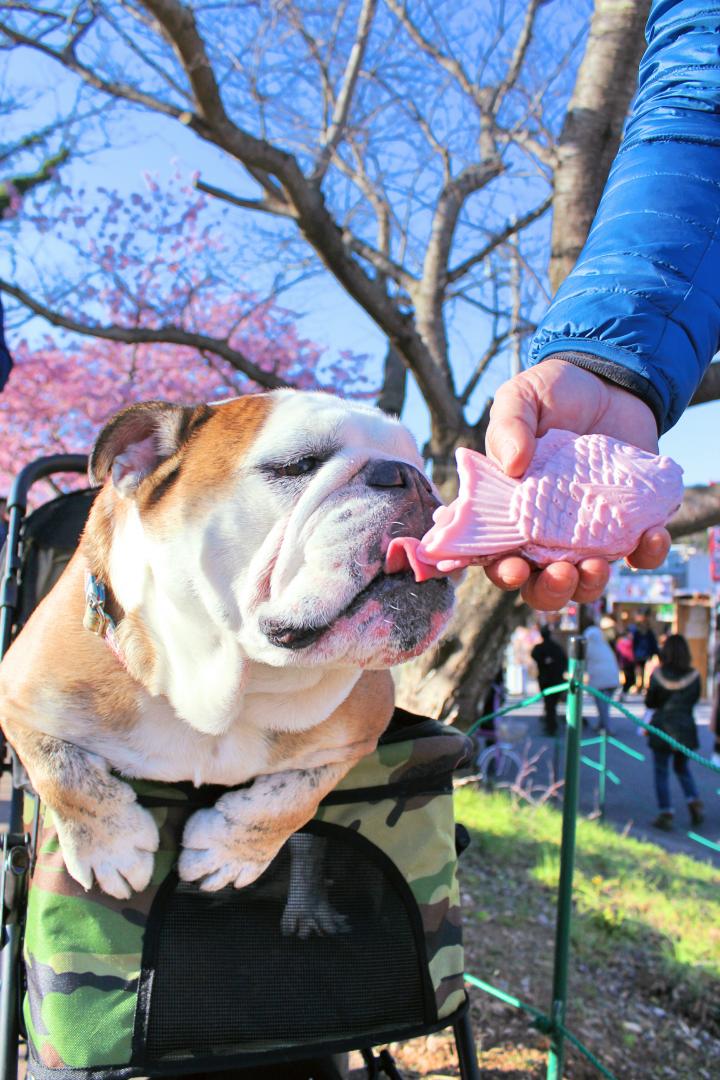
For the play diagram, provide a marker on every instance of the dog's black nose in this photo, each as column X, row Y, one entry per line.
column 387, row 474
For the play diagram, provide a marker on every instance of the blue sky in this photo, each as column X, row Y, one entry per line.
column 694, row 443
column 328, row 316
column 331, row 318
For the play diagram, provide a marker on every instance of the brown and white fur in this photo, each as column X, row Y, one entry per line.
column 241, row 546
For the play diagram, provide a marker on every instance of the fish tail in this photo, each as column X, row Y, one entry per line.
column 482, row 521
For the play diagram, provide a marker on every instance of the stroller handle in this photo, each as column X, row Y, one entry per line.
column 38, row 470
column 16, row 507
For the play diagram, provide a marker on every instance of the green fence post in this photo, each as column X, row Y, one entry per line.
column 603, row 773
column 567, row 857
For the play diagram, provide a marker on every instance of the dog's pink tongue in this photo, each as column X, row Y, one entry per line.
column 402, row 555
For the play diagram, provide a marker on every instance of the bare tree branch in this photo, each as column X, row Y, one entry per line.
column 27, row 181
column 545, row 155
column 494, row 348
column 519, row 134
column 347, row 89
column 313, row 216
column 123, row 91
column 445, row 218
column 379, row 203
column 265, row 206
column 699, row 511
column 35, row 138
column 499, row 238
column 522, row 45
column 428, row 295
column 321, row 64
column 449, row 63
column 137, row 50
column 380, row 261
column 709, row 388
column 132, row 335
column 392, row 394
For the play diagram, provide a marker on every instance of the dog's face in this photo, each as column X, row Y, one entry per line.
column 274, row 513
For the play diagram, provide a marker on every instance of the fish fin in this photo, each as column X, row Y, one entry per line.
column 482, row 520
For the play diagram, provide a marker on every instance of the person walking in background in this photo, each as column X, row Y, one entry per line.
column 551, row 661
column 609, row 627
column 715, row 727
column 5, row 357
column 626, row 660
column 654, row 661
column 715, row 710
column 494, row 699
column 673, row 692
column 645, row 646
column 601, row 667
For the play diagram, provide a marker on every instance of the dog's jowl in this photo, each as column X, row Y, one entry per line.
column 226, row 618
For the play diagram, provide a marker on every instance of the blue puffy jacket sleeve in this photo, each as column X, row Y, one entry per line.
column 642, row 305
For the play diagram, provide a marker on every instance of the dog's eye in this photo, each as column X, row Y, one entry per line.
column 301, row 467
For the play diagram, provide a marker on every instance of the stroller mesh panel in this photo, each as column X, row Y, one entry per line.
column 227, row 980
column 50, row 535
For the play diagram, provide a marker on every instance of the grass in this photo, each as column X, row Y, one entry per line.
column 645, row 954
column 624, row 889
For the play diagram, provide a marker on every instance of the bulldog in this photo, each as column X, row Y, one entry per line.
column 226, row 619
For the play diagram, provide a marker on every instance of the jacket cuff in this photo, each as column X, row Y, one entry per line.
column 619, row 376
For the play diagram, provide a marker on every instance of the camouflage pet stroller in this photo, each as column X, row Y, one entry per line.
column 180, row 982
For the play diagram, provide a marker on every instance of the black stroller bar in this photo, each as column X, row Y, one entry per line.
column 16, row 507
column 14, row 851
column 9, row 590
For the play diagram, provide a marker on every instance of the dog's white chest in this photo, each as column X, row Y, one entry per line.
column 162, row 748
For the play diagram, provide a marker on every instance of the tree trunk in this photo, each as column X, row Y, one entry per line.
column 699, row 511
column 449, row 681
column 709, row 388
column 605, row 84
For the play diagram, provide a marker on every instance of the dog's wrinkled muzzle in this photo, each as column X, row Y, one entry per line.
column 390, row 498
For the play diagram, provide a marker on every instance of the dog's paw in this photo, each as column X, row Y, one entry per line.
column 306, row 917
column 217, row 853
column 118, row 852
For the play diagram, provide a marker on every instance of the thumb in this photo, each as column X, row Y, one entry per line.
column 512, row 431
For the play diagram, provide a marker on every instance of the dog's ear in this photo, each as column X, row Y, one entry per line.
column 136, row 441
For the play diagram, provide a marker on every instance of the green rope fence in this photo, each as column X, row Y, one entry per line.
column 554, row 1024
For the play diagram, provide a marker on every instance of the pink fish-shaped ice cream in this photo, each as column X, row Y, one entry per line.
column 582, row 496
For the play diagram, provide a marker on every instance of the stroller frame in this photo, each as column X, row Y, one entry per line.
column 18, row 846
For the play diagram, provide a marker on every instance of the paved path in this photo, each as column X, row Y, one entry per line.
column 630, row 805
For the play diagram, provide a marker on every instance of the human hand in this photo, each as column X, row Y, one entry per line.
column 558, row 394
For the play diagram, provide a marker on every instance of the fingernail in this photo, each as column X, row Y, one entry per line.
column 556, row 589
